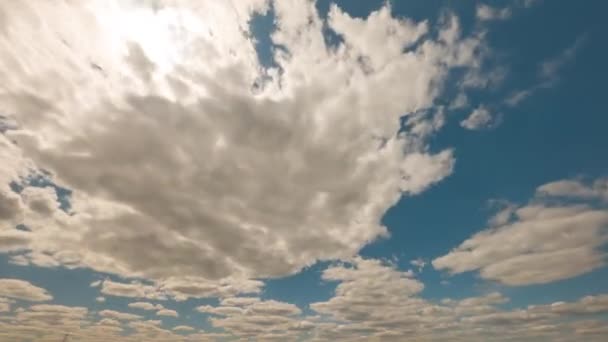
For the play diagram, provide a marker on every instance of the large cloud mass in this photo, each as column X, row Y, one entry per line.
column 186, row 157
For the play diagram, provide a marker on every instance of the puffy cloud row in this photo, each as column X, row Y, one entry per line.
column 373, row 301
column 558, row 235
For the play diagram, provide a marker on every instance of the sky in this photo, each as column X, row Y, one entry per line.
column 299, row 170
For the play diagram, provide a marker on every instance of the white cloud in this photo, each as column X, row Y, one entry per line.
column 485, row 13
column 5, row 304
column 146, row 306
column 552, row 66
column 181, row 288
column 373, row 301
column 132, row 290
column 479, row 119
column 419, row 263
column 181, row 168
column 23, row 290
column 119, row 316
column 548, row 72
column 249, row 317
column 185, row 328
column 100, row 299
column 167, row 312
column 543, row 241
column 576, row 189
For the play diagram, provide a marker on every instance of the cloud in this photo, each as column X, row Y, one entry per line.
column 181, row 288
column 479, row 119
column 119, row 316
column 548, row 74
column 544, row 241
column 23, row 290
column 146, row 306
column 185, row 328
column 167, row 312
column 373, row 300
column 576, row 189
column 132, row 290
column 189, row 161
column 100, row 299
column 552, row 66
column 419, row 263
column 5, row 304
column 249, row 317
column 487, row 13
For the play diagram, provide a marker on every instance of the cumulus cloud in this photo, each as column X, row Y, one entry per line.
column 486, row 13
column 5, row 304
column 146, row 306
column 23, row 290
column 250, row 317
column 373, row 300
column 576, row 189
column 185, row 328
column 543, row 241
column 167, row 312
column 419, row 263
column 220, row 170
column 119, row 316
column 479, row 119
column 181, row 288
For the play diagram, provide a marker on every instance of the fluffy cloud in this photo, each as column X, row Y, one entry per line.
column 479, row 118
column 485, row 13
column 249, row 317
column 23, row 290
column 544, row 241
column 576, row 189
column 187, row 158
column 5, row 304
column 183, row 328
column 181, row 288
column 119, row 316
column 372, row 301
column 375, row 301
column 167, row 312
column 146, row 306
column 131, row 290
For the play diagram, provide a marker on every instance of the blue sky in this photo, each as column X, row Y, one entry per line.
column 357, row 171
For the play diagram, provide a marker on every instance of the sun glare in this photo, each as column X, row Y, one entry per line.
column 163, row 34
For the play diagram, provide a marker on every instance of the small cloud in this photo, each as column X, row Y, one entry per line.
column 519, row 96
column 183, row 328
column 23, row 290
column 96, row 283
column 419, row 263
column 167, row 312
column 487, row 13
column 480, row 118
column 100, row 299
column 459, row 102
column 549, row 68
column 146, row 306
